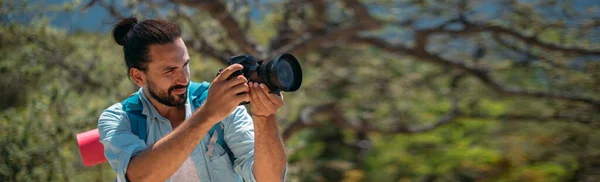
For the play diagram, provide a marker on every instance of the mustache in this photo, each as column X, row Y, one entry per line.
column 177, row 87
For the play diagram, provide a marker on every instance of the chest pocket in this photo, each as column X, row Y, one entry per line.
column 221, row 168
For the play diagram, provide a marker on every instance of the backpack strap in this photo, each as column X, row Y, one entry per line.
column 221, row 140
column 133, row 107
column 197, row 96
column 199, row 92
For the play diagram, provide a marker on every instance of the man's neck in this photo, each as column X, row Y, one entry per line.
column 171, row 113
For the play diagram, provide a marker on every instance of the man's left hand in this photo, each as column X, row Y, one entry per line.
column 262, row 102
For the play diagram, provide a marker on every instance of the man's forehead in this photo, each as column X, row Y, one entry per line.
column 166, row 54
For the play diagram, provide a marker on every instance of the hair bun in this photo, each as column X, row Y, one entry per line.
column 121, row 29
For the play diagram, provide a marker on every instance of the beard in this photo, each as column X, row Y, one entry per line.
column 167, row 98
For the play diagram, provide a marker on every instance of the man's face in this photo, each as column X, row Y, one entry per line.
column 168, row 73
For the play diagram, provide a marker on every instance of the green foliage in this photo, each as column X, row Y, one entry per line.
column 55, row 84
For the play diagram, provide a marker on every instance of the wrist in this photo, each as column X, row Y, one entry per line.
column 261, row 116
column 207, row 116
column 266, row 126
column 264, row 120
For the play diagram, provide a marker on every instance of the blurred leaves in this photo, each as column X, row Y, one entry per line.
column 55, row 83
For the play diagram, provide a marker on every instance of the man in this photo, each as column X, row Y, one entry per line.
column 179, row 146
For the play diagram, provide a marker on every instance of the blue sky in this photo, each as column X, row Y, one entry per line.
column 96, row 19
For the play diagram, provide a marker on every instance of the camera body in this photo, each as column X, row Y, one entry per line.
column 250, row 65
column 281, row 74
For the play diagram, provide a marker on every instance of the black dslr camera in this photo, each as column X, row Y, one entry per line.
column 281, row 74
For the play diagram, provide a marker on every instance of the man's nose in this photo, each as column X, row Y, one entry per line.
column 182, row 77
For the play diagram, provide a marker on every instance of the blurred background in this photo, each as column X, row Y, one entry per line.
column 407, row 90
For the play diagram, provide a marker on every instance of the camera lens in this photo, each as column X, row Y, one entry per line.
column 284, row 73
column 281, row 74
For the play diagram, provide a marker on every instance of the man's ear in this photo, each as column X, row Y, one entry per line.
column 138, row 76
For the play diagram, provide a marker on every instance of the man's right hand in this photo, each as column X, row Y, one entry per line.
column 224, row 95
column 168, row 154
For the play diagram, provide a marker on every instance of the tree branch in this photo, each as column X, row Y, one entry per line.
column 337, row 118
column 246, row 25
column 447, row 118
column 315, row 39
column 408, row 23
column 204, row 47
column 312, row 41
column 481, row 74
column 422, row 54
column 218, row 11
column 88, row 5
column 304, row 120
column 320, row 19
column 536, row 117
column 516, row 49
column 495, row 29
column 362, row 15
column 533, row 40
column 285, row 34
column 111, row 8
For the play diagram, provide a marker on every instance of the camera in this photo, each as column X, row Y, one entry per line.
column 280, row 74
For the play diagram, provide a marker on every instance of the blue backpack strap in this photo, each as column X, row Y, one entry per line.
column 198, row 94
column 221, row 140
column 133, row 107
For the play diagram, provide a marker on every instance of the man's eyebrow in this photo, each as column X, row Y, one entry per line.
column 174, row 67
column 186, row 63
column 169, row 68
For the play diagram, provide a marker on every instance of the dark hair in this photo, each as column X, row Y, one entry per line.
column 137, row 37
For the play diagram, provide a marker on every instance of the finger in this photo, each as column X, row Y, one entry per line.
column 253, row 96
column 256, row 101
column 228, row 71
column 245, row 97
column 262, row 97
column 240, row 88
column 274, row 98
column 235, row 81
column 250, row 94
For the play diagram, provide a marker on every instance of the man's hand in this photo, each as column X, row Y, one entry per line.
column 161, row 160
column 262, row 102
column 225, row 95
column 269, row 151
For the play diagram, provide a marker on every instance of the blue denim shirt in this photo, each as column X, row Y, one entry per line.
column 120, row 144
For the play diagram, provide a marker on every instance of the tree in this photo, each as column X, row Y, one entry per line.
column 416, row 90
column 491, row 45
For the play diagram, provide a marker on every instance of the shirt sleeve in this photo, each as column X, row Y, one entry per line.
column 120, row 144
column 239, row 136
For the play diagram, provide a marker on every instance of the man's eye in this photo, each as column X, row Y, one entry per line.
column 169, row 71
